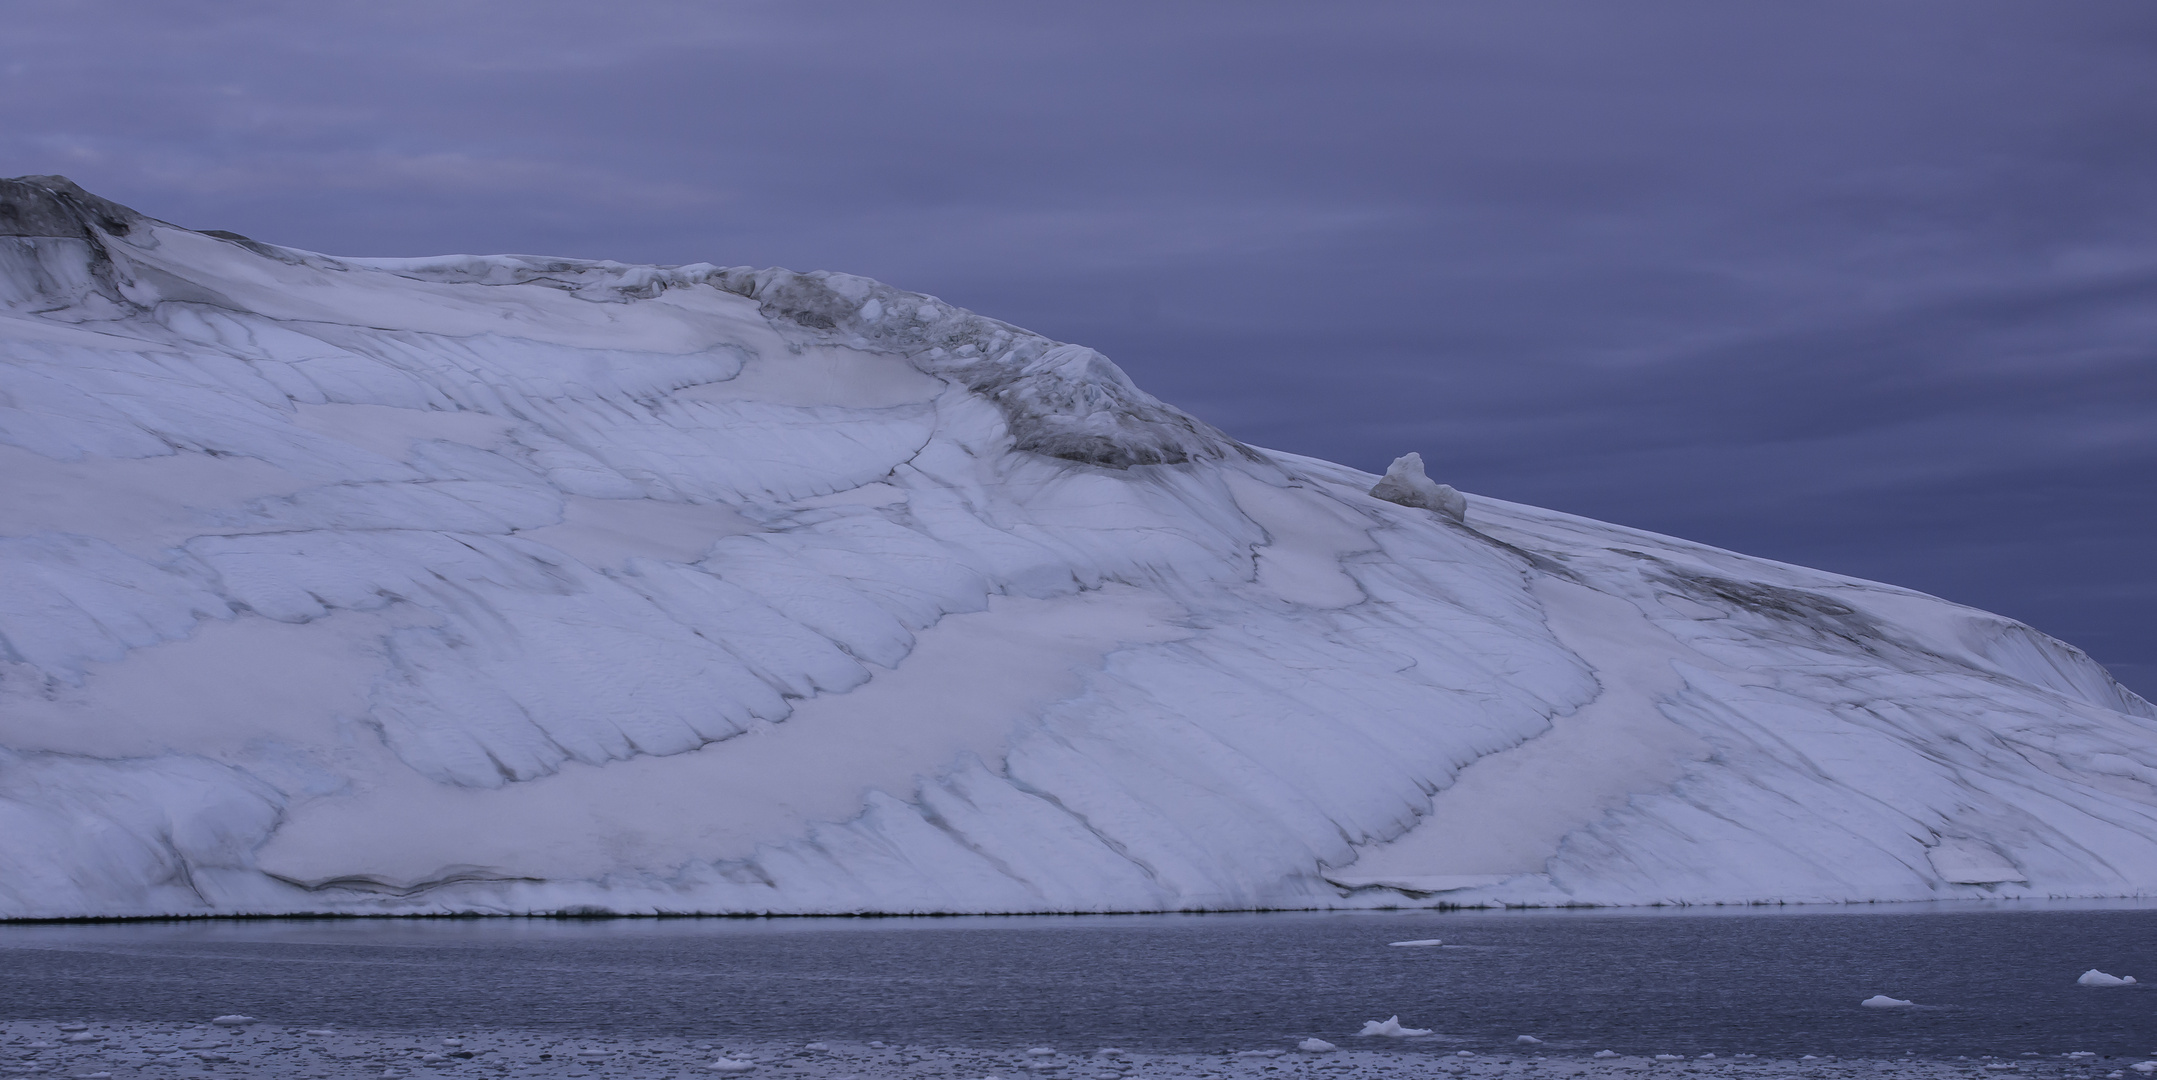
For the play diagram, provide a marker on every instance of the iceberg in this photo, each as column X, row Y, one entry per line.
column 1391, row 1028
column 526, row 585
column 2094, row 977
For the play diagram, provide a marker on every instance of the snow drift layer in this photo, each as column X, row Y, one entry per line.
column 513, row 584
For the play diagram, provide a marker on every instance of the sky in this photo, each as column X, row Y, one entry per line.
column 1867, row 286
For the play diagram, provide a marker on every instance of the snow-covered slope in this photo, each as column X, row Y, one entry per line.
column 512, row 584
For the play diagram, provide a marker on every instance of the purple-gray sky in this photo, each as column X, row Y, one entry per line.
column 1870, row 286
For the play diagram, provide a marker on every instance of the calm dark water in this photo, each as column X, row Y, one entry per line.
column 1997, row 981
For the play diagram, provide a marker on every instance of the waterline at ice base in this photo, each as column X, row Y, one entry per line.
column 520, row 585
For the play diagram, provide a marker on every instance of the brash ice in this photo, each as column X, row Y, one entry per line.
column 514, row 584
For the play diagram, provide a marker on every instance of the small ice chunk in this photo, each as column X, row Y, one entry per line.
column 816, row 1046
column 318, row 1031
column 1606, row 1053
column 233, row 1020
column 1405, row 483
column 1463, row 1053
column 1316, row 1046
column 2080, row 1054
column 2144, row 1067
column 1391, row 1028
column 730, row 1066
column 1704, row 1057
column 1422, row 943
column 1040, row 1051
column 876, row 1044
column 1530, row 1039
column 1882, row 1001
column 2094, row 977
column 1670, row 1057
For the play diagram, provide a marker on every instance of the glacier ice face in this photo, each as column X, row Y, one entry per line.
column 516, row 584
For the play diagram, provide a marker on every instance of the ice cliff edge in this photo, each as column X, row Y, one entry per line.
column 520, row 584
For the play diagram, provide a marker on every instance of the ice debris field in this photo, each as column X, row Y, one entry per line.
column 260, row 1050
column 512, row 584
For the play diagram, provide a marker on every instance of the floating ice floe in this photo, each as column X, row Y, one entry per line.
column 1882, row 1001
column 1424, row 943
column 1390, row 1027
column 2144, row 1067
column 1316, row 1046
column 1040, row 1051
column 730, row 1065
column 1670, row 1057
column 2094, row 977
column 233, row 1020
column 1606, row 1053
column 1527, row 1039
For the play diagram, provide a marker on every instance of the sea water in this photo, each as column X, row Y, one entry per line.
column 1985, row 979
